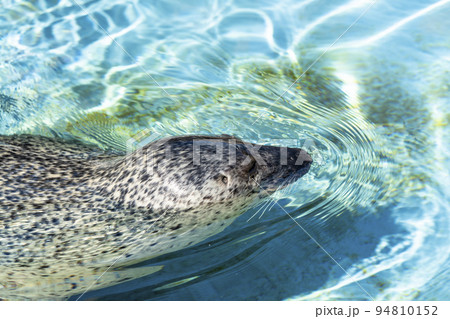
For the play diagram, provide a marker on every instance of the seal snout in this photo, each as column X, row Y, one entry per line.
column 284, row 166
column 296, row 157
column 297, row 165
column 303, row 157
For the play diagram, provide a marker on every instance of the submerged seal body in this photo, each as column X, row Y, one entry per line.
column 69, row 210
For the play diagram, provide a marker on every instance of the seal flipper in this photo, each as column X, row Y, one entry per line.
column 63, row 285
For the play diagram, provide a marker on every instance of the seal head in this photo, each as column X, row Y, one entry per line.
column 203, row 172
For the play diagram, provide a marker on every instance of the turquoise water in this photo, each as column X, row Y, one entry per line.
column 362, row 85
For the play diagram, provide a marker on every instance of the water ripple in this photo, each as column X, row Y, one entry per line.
column 371, row 112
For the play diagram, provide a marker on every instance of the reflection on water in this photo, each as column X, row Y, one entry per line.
column 371, row 109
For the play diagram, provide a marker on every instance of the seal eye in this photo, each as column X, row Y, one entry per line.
column 252, row 169
column 224, row 180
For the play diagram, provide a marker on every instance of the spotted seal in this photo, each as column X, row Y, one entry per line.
column 68, row 210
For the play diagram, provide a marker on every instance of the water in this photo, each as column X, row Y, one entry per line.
column 370, row 220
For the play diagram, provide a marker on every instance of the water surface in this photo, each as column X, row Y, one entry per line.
column 362, row 85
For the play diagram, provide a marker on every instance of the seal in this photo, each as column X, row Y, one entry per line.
column 68, row 210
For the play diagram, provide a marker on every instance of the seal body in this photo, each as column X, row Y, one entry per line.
column 70, row 211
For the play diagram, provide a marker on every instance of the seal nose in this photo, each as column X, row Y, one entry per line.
column 304, row 157
column 284, row 166
column 297, row 156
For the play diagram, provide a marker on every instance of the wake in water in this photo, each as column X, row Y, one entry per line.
column 362, row 85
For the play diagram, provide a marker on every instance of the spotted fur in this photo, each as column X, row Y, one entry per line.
column 69, row 210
